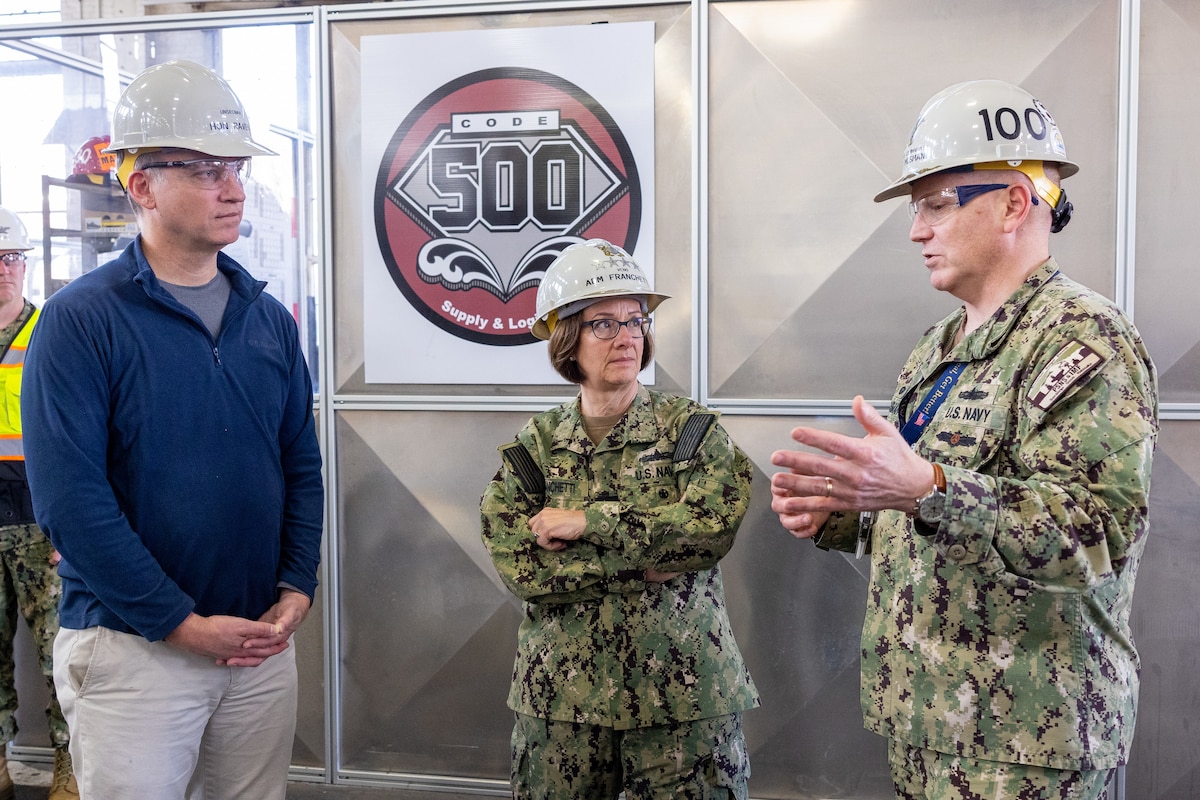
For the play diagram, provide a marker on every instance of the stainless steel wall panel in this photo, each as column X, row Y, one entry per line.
column 813, row 293
column 428, row 631
column 811, row 104
column 797, row 614
column 308, row 748
column 1165, row 763
column 1168, row 205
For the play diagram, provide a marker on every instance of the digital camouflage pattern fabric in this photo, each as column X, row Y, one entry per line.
column 1003, row 634
column 598, row 644
column 702, row 759
column 920, row 774
column 28, row 585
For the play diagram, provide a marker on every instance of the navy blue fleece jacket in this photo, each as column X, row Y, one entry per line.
column 173, row 472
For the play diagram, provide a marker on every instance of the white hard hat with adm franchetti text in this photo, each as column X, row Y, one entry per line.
column 589, row 271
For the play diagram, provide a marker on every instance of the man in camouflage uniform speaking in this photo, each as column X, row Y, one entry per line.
column 1011, row 484
column 608, row 517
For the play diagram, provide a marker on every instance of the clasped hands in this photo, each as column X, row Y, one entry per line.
column 240, row 642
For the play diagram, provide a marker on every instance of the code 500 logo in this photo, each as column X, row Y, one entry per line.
column 485, row 183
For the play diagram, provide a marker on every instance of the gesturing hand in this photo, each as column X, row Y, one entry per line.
column 874, row 472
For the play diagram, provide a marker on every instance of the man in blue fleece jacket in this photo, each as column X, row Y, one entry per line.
column 174, row 463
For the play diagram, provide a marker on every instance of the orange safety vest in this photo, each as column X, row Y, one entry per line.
column 11, row 364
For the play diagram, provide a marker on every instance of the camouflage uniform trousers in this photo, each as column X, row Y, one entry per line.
column 921, row 774
column 30, row 584
column 702, row 759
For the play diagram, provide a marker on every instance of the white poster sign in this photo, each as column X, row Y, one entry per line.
column 485, row 153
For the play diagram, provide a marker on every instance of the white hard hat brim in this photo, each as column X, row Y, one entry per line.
column 209, row 147
column 652, row 300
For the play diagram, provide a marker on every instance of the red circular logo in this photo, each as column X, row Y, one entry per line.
column 485, row 183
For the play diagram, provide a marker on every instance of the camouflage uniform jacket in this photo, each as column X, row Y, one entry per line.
column 1003, row 634
column 599, row 645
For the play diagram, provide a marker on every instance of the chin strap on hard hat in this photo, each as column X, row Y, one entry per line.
column 1048, row 190
column 1060, row 214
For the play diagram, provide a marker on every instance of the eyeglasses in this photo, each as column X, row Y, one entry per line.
column 208, row 173
column 13, row 259
column 609, row 328
column 936, row 206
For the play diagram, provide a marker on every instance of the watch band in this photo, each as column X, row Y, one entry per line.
column 939, row 485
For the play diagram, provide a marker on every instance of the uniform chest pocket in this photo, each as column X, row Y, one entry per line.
column 965, row 435
column 650, row 483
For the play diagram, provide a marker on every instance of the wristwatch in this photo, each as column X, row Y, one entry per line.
column 929, row 508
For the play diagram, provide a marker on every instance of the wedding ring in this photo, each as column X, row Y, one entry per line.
column 828, row 487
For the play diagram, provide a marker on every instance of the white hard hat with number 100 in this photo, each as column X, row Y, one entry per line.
column 987, row 125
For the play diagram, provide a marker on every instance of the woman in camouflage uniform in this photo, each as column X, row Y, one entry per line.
column 607, row 518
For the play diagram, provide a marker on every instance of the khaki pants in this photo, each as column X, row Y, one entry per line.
column 152, row 722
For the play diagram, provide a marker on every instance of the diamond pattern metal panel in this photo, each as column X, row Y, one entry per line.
column 811, row 102
column 1168, row 283
column 815, row 291
column 1165, row 763
column 428, row 631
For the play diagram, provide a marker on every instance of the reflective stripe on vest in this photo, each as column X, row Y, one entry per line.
column 11, row 364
